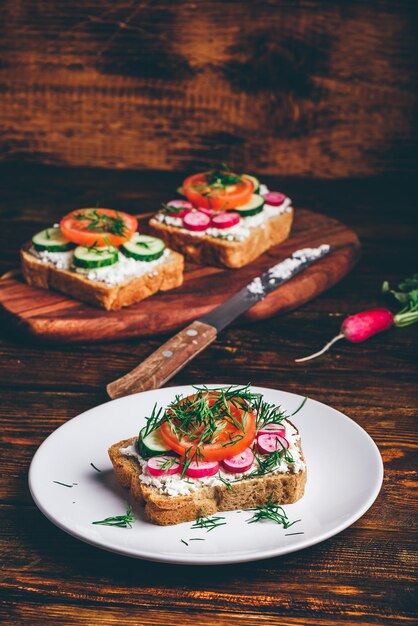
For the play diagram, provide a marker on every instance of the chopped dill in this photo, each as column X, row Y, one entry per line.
column 300, row 406
column 101, row 222
column 271, row 511
column 119, row 521
column 208, row 523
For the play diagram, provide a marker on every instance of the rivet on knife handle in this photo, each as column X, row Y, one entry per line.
column 165, row 362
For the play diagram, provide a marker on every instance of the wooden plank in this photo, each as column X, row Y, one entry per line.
column 306, row 88
column 337, row 582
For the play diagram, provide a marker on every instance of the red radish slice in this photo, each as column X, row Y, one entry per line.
column 202, row 469
column 196, row 220
column 163, row 466
column 239, row 463
column 225, row 220
column 270, row 443
column 273, row 429
column 274, row 198
column 179, row 204
column 206, row 211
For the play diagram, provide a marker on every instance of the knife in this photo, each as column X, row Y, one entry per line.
column 175, row 353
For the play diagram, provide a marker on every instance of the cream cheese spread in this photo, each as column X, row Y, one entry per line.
column 116, row 274
column 174, row 485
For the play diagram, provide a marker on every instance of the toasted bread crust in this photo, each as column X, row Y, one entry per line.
column 211, row 251
column 166, row 276
column 165, row 510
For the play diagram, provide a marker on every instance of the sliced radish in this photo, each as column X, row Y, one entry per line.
column 273, row 429
column 225, row 220
column 196, row 220
column 180, row 204
column 274, row 198
column 206, row 211
column 240, row 462
column 204, row 468
column 270, row 443
column 163, row 466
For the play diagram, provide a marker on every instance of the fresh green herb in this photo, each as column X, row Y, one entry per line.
column 222, row 177
column 271, row 511
column 290, row 534
column 57, row 482
column 227, row 483
column 197, row 539
column 168, row 463
column 407, row 296
column 185, row 542
column 167, row 208
column 48, row 234
column 202, row 418
column 94, row 467
column 208, row 523
column 101, row 222
column 192, row 455
column 267, row 413
column 120, row 521
column 155, row 420
column 300, row 406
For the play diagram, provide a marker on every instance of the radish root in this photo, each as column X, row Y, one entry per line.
column 324, row 349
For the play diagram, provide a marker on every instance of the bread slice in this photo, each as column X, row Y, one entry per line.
column 206, row 250
column 165, row 276
column 166, row 510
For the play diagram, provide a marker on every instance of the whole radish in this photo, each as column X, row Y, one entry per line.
column 359, row 327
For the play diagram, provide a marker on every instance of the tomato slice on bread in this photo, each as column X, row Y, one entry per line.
column 208, row 428
column 217, row 189
column 100, row 227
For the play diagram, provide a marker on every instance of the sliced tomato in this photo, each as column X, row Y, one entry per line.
column 199, row 191
column 233, row 436
column 99, row 227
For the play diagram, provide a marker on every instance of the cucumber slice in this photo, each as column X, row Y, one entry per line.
column 92, row 258
column 152, row 444
column 52, row 240
column 254, row 206
column 144, row 248
column 254, row 181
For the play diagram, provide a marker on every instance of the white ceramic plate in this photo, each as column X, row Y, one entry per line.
column 345, row 474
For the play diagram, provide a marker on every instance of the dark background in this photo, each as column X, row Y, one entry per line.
column 300, row 88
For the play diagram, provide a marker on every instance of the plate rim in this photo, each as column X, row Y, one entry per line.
column 214, row 559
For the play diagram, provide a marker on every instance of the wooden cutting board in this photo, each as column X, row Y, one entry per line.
column 51, row 316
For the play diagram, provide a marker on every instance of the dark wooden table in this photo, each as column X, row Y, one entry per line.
column 365, row 575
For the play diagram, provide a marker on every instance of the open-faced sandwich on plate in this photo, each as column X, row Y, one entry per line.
column 97, row 256
column 216, row 450
column 226, row 220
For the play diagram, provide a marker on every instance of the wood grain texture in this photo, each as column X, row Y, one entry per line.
column 308, row 88
column 165, row 362
column 365, row 575
column 51, row 316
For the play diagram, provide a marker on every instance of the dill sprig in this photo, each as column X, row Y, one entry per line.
column 271, row 511
column 301, row 405
column 168, row 208
column 267, row 413
column 227, row 483
column 208, row 523
column 101, row 222
column 119, row 521
column 154, row 420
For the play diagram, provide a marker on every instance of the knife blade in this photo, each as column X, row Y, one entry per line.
column 175, row 353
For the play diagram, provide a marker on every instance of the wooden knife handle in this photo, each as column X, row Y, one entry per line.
column 165, row 362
